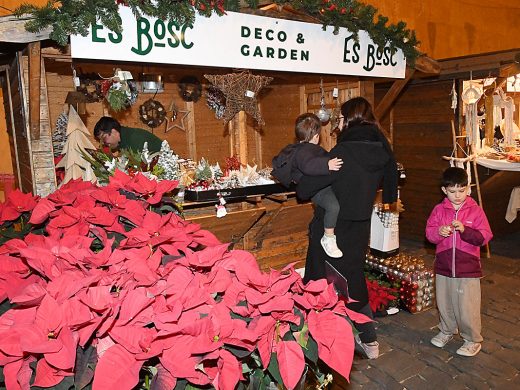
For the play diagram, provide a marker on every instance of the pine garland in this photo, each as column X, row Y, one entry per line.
column 69, row 17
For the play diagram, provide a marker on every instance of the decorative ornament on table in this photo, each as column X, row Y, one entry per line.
column 232, row 164
column 241, row 92
column 152, row 113
column 190, row 89
column 323, row 114
column 176, row 118
column 74, row 150
column 221, row 206
column 169, row 162
column 216, row 100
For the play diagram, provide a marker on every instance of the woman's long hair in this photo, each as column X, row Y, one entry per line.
column 358, row 111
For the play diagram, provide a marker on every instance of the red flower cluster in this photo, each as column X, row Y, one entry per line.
column 114, row 285
column 379, row 297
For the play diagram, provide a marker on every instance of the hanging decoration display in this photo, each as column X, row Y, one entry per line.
column 241, row 92
column 175, row 118
column 190, row 89
column 323, row 113
column 120, row 91
column 470, row 96
column 216, row 101
column 152, row 113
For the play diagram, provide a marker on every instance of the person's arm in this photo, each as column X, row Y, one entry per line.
column 479, row 233
column 433, row 227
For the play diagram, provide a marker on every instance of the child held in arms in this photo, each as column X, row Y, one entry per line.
column 312, row 160
column 458, row 227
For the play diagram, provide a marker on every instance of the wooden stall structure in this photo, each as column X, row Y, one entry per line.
column 274, row 227
column 420, row 122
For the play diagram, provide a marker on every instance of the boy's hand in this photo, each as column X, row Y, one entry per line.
column 445, row 230
column 335, row 164
column 457, row 225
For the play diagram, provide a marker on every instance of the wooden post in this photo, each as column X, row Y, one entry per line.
column 242, row 137
column 191, row 139
column 34, row 89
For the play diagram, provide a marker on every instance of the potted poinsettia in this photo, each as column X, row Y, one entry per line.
column 106, row 287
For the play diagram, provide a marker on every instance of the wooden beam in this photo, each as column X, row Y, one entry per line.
column 428, row 65
column 391, row 96
column 35, row 75
column 12, row 29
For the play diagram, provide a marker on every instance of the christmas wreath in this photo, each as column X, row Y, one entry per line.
column 190, row 89
column 152, row 113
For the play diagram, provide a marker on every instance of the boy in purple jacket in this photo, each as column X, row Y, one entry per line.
column 459, row 227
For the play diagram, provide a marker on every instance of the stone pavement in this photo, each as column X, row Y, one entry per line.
column 409, row 361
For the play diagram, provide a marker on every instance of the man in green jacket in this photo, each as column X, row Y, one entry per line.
column 110, row 133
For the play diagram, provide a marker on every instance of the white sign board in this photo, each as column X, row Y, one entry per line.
column 238, row 40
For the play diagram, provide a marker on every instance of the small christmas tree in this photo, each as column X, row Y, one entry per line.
column 169, row 162
column 76, row 166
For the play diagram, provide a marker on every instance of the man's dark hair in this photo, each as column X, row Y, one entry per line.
column 307, row 126
column 105, row 125
column 454, row 176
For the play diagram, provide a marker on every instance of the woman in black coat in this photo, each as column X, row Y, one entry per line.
column 368, row 164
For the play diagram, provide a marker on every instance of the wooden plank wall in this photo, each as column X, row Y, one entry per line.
column 21, row 131
column 421, row 136
column 41, row 149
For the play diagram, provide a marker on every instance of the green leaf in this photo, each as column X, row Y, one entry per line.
column 86, row 360
column 274, row 368
column 311, row 352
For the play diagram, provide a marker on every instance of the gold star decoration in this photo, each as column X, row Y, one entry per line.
column 175, row 118
column 241, row 91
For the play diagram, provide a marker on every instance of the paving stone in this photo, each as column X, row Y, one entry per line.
column 382, row 378
column 504, row 363
column 437, row 379
column 501, row 383
column 490, row 347
column 415, row 383
column 471, row 382
column 399, row 365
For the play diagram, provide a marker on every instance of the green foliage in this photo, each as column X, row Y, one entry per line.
column 75, row 17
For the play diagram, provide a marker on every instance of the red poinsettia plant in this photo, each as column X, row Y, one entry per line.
column 380, row 296
column 107, row 288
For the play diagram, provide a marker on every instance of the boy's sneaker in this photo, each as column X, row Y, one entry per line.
column 469, row 348
column 370, row 350
column 441, row 339
column 330, row 247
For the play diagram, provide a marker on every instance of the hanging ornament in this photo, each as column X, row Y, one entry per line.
column 323, row 114
column 335, row 115
column 241, row 92
column 190, row 89
column 176, row 118
column 453, row 95
column 216, row 100
column 152, row 113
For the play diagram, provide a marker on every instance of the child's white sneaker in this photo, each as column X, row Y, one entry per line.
column 441, row 339
column 330, row 247
column 469, row 348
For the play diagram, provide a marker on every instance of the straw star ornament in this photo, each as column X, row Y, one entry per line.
column 241, row 91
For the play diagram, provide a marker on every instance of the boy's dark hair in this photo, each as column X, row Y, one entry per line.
column 454, row 176
column 307, row 126
column 105, row 125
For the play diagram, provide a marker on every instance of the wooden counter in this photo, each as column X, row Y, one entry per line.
column 274, row 227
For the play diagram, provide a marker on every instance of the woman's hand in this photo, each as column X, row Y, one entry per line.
column 335, row 164
column 394, row 207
